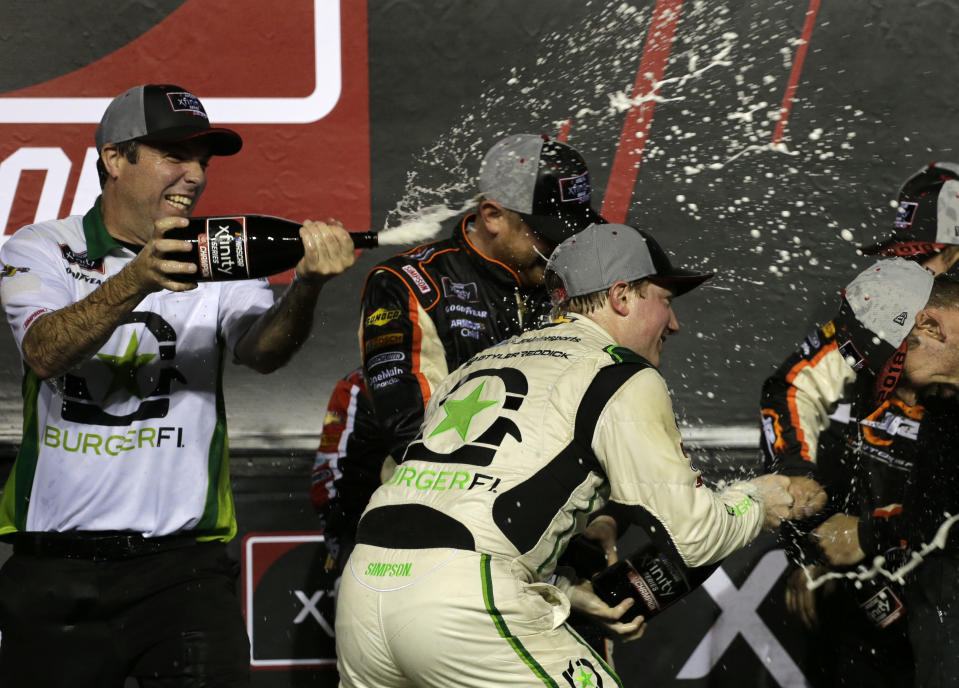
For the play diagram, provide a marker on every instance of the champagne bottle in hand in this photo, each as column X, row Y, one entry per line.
column 650, row 578
column 244, row 246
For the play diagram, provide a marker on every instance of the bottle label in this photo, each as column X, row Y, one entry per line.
column 639, row 585
column 884, row 607
column 223, row 254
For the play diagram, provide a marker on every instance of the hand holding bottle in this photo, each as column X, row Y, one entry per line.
column 159, row 263
column 800, row 599
column 583, row 599
column 327, row 251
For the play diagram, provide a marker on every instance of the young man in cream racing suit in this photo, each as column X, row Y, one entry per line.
column 448, row 584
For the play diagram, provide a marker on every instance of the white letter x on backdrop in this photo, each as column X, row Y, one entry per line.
column 738, row 615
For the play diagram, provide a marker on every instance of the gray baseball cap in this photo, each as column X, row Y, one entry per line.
column 545, row 181
column 602, row 255
column 162, row 112
column 878, row 311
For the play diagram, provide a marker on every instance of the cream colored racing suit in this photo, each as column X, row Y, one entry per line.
column 449, row 583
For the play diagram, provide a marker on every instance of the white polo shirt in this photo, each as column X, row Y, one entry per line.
column 135, row 437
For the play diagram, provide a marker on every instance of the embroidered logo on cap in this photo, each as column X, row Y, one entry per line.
column 905, row 215
column 575, row 189
column 901, row 318
column 184, row 101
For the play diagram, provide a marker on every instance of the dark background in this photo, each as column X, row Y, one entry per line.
column 448, row 78
column 876, row 100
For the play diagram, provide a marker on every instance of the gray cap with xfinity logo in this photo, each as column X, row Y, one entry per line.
column 545, row 181
column 162, row 112
column 602, row 255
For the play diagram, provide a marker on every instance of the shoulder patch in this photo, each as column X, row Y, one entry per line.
column 620, row 354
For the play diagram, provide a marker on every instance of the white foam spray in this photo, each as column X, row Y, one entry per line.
column 422, row 225
column 878, row 564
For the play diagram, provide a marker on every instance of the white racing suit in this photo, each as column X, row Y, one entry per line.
column 449, row 582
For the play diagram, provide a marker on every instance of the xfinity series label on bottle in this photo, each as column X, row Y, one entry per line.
column 223, row 249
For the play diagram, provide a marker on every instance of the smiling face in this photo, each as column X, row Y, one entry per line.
column 166, row 180
column 651, row 320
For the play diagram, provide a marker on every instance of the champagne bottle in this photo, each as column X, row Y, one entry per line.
column 244, row 246
column 880, row 598
column 879, row 601
column 653, row 580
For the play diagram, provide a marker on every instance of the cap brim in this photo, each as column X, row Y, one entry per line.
column 222, row 141
column 557, row 228
column 902, row 248
column 681, row 281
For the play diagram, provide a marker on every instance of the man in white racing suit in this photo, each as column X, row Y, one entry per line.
column 452, row 579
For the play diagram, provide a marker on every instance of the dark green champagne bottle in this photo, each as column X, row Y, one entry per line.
column 236, row 247
column 653, row 580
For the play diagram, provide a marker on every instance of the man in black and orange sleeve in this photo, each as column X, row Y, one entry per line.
column 831, row 421
column 816, row 392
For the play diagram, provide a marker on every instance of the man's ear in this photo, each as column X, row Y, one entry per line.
column 929, row 324
column 493, row 216
column 111, row 158
column 618, row 297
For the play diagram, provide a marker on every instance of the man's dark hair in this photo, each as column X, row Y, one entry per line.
column 129, row 149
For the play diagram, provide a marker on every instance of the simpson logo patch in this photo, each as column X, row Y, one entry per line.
column 388, row 357
column 418, row 279
column 34, row 316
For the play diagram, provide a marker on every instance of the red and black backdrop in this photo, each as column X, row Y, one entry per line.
column 761, row 139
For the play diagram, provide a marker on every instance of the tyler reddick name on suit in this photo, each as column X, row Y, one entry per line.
column 113, row 445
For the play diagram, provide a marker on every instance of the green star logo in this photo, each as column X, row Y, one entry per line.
column 459, row 413
column 125, row 368
column 585, row 678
